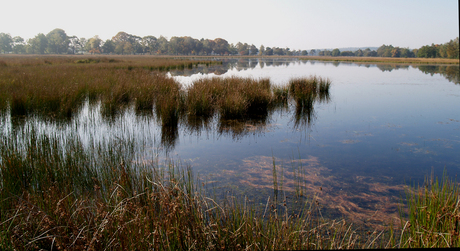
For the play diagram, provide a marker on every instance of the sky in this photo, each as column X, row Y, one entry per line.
column 295, row 24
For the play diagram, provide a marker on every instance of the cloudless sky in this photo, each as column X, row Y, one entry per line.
column 287, row 23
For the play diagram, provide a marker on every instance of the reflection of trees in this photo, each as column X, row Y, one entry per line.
column 253, row 63
column 450, row 72
column 242, row 64
column 238, row 64
column 390, row 67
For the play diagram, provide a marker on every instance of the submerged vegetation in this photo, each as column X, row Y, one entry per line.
column 59, row 193
column 69, row 197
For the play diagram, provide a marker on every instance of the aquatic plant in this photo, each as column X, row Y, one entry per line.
column 232, row 97
column 433, row 215
column 55, row 194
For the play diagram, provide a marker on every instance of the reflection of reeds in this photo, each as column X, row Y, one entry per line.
column 305, row 91
column 275, row 181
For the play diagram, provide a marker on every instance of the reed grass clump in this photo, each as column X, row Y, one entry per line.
column 433, row 216
column 280, row 94
column 306, row 90
column 232, row 97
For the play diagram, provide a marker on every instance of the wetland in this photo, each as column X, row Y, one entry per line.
column 349, row 137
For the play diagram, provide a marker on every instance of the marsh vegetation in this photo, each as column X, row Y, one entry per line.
column 68, row 193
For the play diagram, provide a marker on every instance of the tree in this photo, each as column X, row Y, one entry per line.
column 243, row 49
column 359, row 53
column 19, row 46
column 287, row 51
column 83, row 41
column 6, row 43
column 128, row 48
column 74, row 44
column 304, row 53
column 149, row 44
column 38, row 44
column 395, row 52
column 253, row 50
column 220, row 46
column 312, row 52
column 406, row 53
column 278, row 51
column 452, row 48
column 57, row 41
column 385, row 51
column 93, row 45
column 162, row 45
column 108, row 47
column 121, row 40
column 427, row 51
column 136, row 43
column 347, row 54
column 325, row 53
column 268, row 51
column 261, row 50
column 335, row 52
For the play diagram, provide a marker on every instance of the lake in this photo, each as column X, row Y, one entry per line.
column 383, row 126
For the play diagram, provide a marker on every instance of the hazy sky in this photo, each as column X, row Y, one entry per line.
column 285, row 23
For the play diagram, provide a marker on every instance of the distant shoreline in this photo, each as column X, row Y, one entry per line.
column 348, row 59
column 319, row 58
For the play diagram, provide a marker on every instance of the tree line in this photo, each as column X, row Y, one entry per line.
column 58, row 42
column 446, row 50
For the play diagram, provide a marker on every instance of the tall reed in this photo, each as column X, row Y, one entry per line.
column 433, row 216
column 57, row 194
column 232, row 97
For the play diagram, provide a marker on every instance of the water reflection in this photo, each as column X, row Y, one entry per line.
column 450, row 72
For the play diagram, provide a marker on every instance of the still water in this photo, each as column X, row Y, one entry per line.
column 383, row 127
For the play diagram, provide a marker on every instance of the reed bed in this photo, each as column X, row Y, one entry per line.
column 55, row 197
column 55, row 194
column 56, row 86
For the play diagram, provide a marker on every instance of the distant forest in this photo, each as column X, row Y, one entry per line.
column 58, row 42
